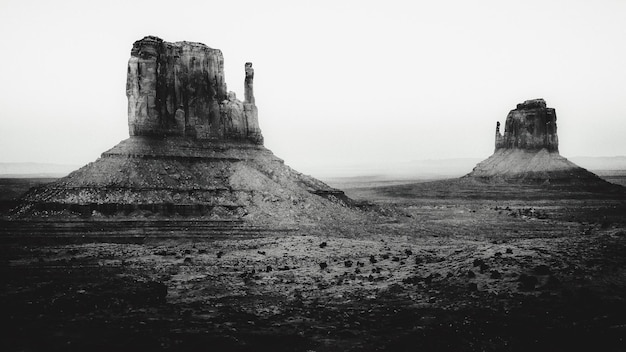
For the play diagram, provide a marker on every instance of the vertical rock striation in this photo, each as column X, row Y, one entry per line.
column 178, row 89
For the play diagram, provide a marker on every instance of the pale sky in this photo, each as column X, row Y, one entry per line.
column 336, row 82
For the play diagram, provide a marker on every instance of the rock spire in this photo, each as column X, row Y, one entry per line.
column 249, row 93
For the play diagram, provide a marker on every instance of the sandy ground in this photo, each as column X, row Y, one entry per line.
column 451, row 273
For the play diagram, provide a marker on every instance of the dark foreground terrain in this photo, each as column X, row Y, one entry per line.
column 472, row 269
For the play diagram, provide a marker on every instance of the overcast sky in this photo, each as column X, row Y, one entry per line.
column 336, row 82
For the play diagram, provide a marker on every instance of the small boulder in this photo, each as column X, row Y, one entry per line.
column 478, row 262
column 541, row 270
column 527, row 282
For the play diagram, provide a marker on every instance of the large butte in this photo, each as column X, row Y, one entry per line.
column 194, row 151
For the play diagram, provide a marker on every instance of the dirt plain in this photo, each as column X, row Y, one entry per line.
column 440, row 267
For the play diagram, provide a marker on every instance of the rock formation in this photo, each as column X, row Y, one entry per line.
column 531, row 126
column 194, row 150
column 178, row 89
column 249, row 93
column 528, row 151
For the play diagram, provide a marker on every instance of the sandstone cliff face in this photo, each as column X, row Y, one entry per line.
column 178, row 89
column 531, row 126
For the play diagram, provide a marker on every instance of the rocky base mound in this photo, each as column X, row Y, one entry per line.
column 175, row 176
column 537, row 167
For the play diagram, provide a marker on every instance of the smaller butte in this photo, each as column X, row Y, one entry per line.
column 528, row 151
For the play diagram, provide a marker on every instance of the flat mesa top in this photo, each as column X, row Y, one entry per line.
column 532, row 104
column 153, row 39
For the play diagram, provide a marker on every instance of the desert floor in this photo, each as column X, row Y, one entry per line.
column 490, row 269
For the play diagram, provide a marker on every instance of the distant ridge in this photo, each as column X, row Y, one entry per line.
column 421, row 169
column 600, row 162
column 35, row 170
